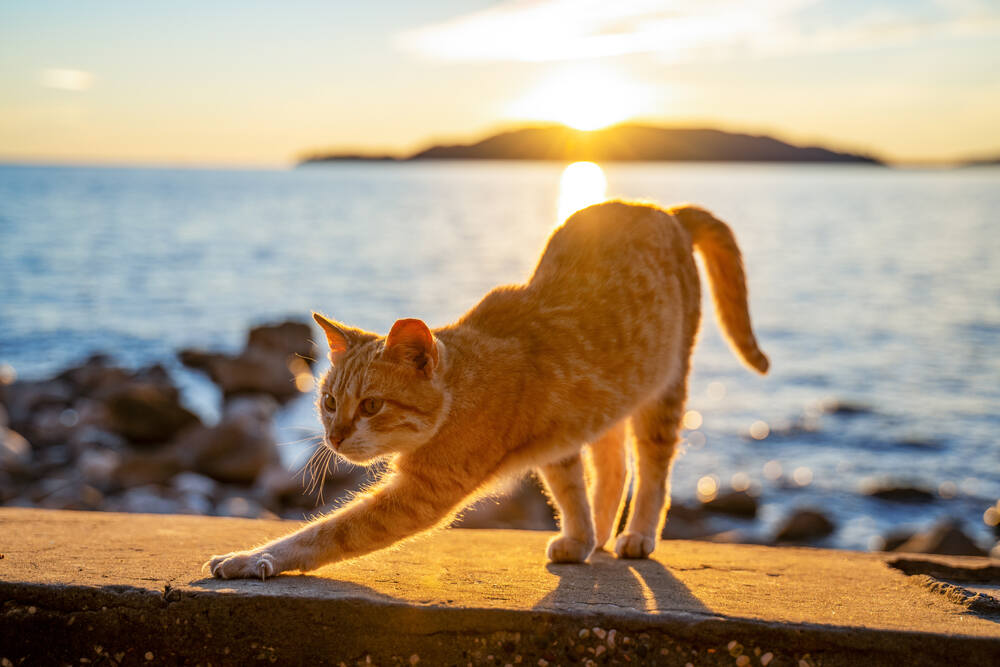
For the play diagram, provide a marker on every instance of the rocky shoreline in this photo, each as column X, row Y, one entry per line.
column 97, row 436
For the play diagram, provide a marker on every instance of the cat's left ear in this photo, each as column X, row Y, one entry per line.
column 411, row 342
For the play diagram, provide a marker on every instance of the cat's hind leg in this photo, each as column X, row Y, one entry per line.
column 565, row 483
column 607, row 473
column 656, row 426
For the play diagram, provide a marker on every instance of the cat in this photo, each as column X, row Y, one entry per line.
column 599, row 337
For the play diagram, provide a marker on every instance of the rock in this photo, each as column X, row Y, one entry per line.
column 894, row 539
column 87, row 438
column 239, row 506
column 289, row 338
column 946, row 538
column 734, row 503
column 901, row 494
column 99, row 467
column 526, row 507
column 194, row 503
column 142, row 468
column 846, row 408
column 803, row 525
column 147, row 412
column 148, row 499
column 235, row 451
column 15, row 452
column 685, row 523
column 186, row 483
column 267, row 365
column 27, row 399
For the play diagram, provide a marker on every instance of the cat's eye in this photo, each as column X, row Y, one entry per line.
column 329, row 402
column 370, row 406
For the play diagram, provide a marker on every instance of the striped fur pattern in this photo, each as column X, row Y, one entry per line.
column 549, row 375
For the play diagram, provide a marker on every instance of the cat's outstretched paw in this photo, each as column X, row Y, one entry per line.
column 565, row 549
column 243, row 565
column 634, row 545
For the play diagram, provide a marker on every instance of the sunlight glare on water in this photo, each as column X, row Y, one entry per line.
column 582, row 184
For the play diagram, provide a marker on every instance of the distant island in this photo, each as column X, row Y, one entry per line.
column 620, row 143
column 982, row 162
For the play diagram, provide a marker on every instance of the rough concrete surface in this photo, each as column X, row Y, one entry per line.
column 80, row 587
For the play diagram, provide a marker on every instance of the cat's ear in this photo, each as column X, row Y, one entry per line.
column 336, row 337
column 411, row 342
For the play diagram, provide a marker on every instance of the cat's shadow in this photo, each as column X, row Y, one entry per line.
column 607, row 583
column 603, row 584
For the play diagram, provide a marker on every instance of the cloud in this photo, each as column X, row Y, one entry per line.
column 547, row 30
column 67, row 79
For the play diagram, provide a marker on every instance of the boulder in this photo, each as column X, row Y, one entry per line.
column 686, row 523
column 945, row 538
column 147, row 412
column 804, row 525
column 236, row 450
column 526, row 507
column 901, row 493
column 893, row 539
column 26, row 398
column 148, row 499
column 289, row 338
column 268, row 364
column 733, row 503
column 15, row 452
column 140, row 468
column 99, row 467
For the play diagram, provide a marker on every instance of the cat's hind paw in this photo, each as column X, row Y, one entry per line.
column 634, row 545
column 565, row 549
column 243, row 565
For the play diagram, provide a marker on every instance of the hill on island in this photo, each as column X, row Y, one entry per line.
column 621, row 143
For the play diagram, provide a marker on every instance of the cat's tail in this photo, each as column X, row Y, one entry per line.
column 717, row 245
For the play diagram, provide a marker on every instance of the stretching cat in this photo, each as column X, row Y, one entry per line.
column 602, row 334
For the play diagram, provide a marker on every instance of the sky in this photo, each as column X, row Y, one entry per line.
column 261, row 83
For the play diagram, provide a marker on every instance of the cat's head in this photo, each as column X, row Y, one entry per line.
column 381, row 396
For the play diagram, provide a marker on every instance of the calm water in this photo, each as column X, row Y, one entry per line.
column 869, row 285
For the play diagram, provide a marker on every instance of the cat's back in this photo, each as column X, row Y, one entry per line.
column 615, row 244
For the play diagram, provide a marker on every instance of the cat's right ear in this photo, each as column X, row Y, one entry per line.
column 335, row 336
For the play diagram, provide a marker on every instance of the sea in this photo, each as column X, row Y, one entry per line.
column 874, row 291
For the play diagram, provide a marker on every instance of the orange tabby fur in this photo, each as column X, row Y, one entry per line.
column 601, row 336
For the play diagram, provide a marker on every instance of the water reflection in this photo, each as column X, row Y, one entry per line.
column 582, row 184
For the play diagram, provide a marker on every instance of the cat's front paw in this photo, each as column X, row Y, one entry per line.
column 243, row 565
column 565, row 549
column 634, row 545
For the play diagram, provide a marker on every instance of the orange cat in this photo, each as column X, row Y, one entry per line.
column 601, row 335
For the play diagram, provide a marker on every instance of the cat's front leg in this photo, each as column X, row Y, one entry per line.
column 565, row 483
column 404, row 505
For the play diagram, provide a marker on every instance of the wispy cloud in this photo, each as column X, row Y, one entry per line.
column 67, row 79
column 545, row 30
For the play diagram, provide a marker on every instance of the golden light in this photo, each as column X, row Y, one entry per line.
column 586, row 97
column 692, row 420
column 300, row 370
column 740, row 481
column 803, row 476
column 772, row 470
column 581, row 184
column 759, row 430
column 708, row 487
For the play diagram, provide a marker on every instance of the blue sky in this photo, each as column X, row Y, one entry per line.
column 259, row 83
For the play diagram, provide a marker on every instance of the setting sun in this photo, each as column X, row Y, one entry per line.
column 586, row 98
column 582, row 184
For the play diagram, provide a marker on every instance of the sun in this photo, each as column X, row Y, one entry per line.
column 586, row 97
